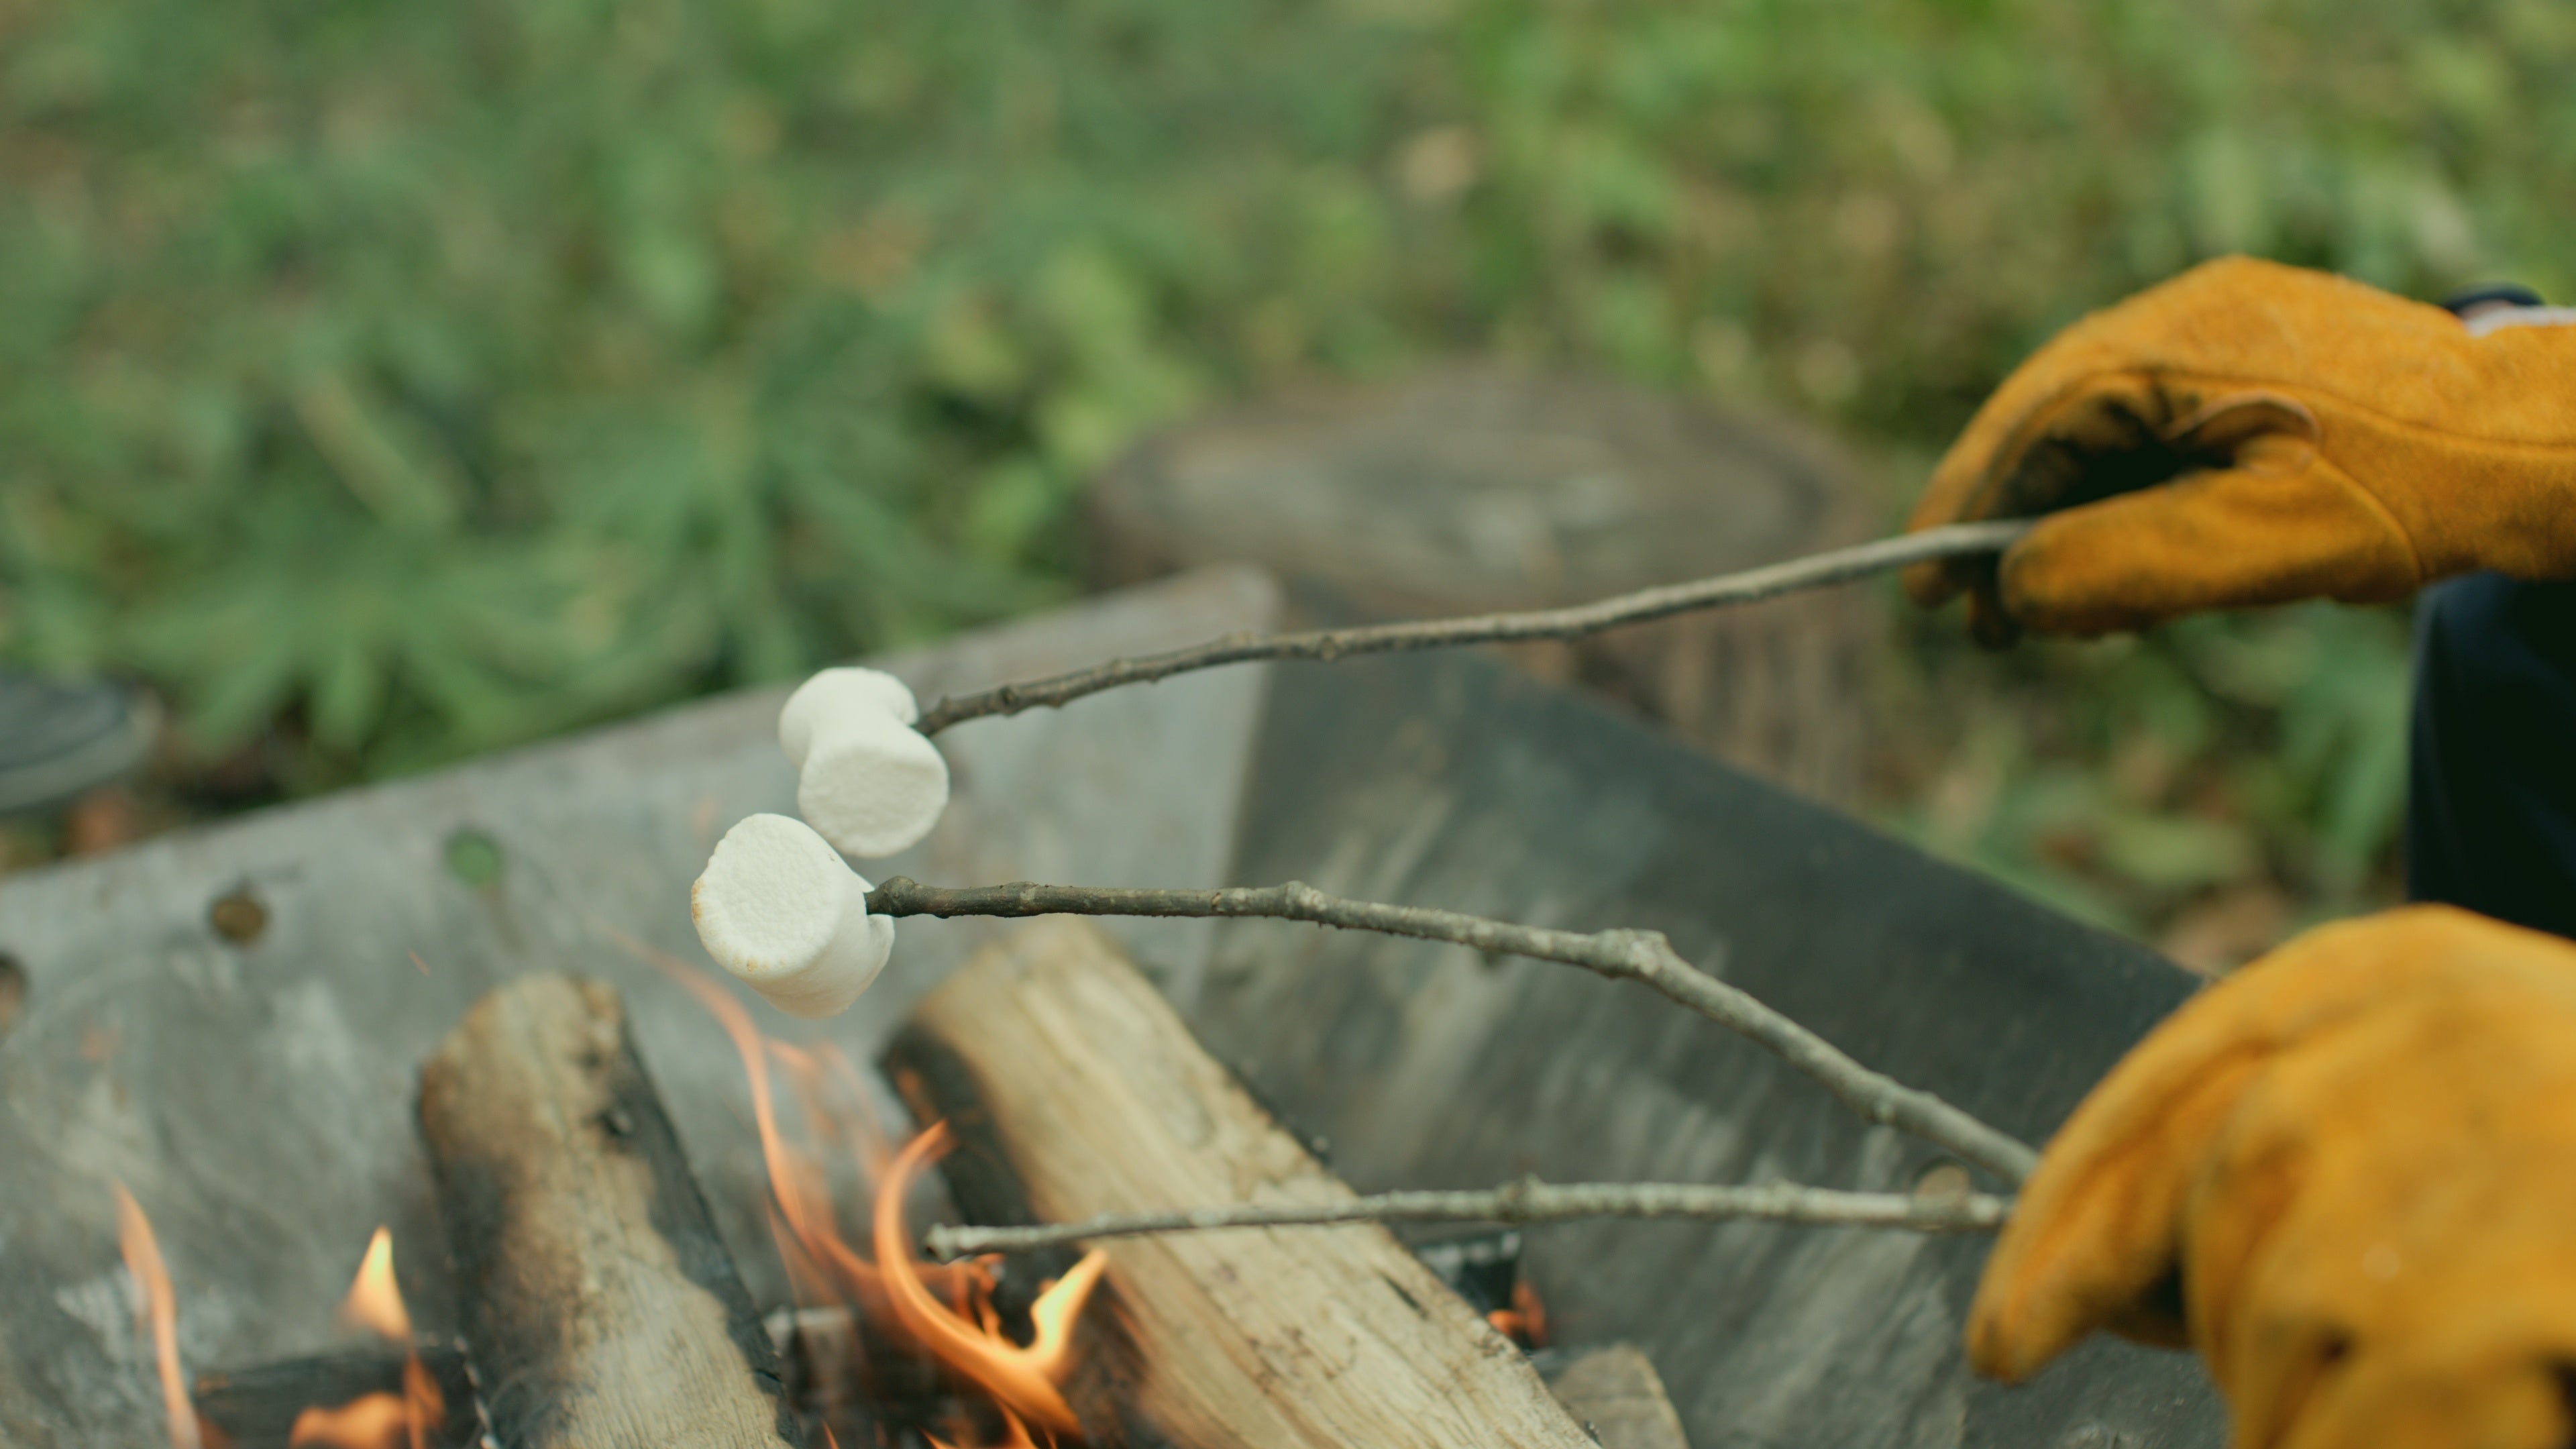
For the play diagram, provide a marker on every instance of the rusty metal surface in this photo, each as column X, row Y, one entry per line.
column 257, row 1095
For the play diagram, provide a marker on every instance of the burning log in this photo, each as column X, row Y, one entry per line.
column 600, row 1307
column 1073, row 1089
column 260, row 1408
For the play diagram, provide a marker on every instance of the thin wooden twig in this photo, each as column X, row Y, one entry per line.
column 1627, row 955
column 1816, row 570
column 1526, row 1201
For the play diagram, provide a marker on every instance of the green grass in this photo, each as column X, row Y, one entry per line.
column 399, row 381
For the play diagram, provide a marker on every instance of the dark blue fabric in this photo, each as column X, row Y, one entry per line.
column 2491, row 799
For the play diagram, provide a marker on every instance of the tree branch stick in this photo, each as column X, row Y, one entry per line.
column 1627, row 955
column 1526, row 1201
column 1833, row 566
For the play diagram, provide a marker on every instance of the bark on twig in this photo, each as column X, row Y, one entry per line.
column 1526, row 1201
column 1628, row 955
column 1834, row 566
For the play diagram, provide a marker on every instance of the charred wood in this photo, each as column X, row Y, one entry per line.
column 600, row 1307
column 256, row 1408
column 1074, row 1089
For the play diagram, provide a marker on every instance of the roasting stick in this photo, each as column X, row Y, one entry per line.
column 1816, row 570
column 1626, row 955
column 1526, row 1201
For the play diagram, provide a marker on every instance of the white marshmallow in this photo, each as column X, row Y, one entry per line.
column 778, row 907
column 845, row 691
column 867, row 779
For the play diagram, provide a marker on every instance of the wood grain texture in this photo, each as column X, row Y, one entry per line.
column 601, row 1310
column 1074, row 1089
column 1615, row 1393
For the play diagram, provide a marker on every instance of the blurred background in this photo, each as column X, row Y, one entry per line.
column 383, row 383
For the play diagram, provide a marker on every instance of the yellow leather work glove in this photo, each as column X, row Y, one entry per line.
column 2356, row 1158
column 2250, row 433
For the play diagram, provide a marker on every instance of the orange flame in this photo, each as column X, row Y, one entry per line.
column 1525, row 1322
column 375, row 1303
column 802, row 1199
column 370, row 1421
column 1022, row 1379
column 378, row 1420
column 964, row 1332
column 1015, row 1435
column 157, row 1311
column 858, row 1130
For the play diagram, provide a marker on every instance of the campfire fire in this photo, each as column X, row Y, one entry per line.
column 157, row 1312
column 375, row 1305
column 1022, row 1380
column 946, row 1312
column 885, row 1349
column 378, row 1420
column 1000, row 1393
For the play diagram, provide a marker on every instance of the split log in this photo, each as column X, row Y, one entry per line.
column 600, row 1308
column 1476, row 490
column 1615, row 1393
column 1073, row 1089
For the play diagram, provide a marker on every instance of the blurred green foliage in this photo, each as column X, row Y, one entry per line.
column 414, row 379
column 2214, row 784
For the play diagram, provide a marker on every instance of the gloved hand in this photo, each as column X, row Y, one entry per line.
column 2250, row 433
column 2356, row 1160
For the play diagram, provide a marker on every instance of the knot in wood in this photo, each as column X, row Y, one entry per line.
column 1636, row 952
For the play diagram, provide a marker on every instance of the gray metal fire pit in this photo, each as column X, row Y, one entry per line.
column 248, row 1070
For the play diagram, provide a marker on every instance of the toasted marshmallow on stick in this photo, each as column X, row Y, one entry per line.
column 866, row 778
column 778, row 907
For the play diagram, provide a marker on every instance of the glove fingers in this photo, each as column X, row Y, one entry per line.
column 2096, row 1232
column 1952, row 497
column 2095, row 1238
column 2027, row 455
column 2385, row 1216
column 2279, row 526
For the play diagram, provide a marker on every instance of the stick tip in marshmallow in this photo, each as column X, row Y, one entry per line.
column 778, row 907
column 870, row 782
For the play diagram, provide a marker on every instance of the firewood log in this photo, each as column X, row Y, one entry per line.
column 1614, row 1392
column 600, row 1308
column 1073, row 1089
column 257, row 1408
